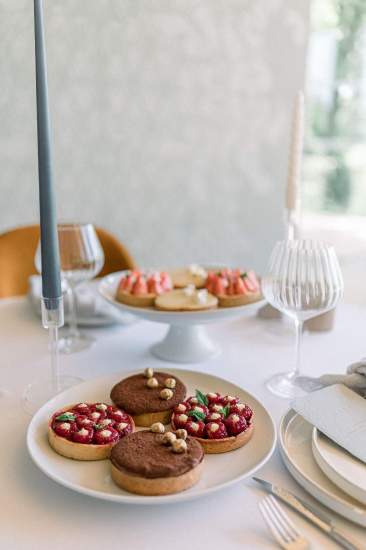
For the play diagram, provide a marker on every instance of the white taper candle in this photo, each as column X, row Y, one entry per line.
column 295, row 156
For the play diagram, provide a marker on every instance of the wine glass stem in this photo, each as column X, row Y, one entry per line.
column 55, row 373
column 73, row 333
column 298, row 328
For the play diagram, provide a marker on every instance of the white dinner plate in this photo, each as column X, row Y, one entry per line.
column 94, row 479
column 295, row 441
column 345, row 470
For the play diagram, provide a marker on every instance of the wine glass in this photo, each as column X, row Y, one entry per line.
column 303, row 280
column 81, row 259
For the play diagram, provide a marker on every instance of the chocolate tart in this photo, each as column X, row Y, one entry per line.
column 144, row 404
column 80, row 451
column 141, row 464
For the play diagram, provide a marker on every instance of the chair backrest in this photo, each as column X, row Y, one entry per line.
column 18, row 248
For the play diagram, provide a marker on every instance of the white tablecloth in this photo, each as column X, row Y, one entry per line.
column 38, row 514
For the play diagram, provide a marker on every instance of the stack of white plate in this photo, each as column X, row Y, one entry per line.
column 329, row 473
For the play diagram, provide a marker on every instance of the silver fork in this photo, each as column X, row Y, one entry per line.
column 280, row 525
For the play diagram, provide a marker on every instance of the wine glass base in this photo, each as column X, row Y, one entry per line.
column 39, row 392
column 73, row 344
column 284, row 385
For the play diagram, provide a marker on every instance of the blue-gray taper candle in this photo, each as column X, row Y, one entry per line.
column 51, row 285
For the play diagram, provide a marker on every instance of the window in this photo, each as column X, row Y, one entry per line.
column 334, row 172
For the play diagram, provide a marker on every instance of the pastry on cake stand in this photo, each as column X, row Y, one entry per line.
column 186, row 340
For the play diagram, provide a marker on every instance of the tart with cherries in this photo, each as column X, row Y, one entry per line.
column 155, row 462
column 194, row 275
column 88, row 431
column 221, row 423
column 186, row 299
column 139, row 288
column 233, row 287
column 149, row 397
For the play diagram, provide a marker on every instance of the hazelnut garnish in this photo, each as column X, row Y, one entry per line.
column 149, row 372
column 166, row 394
column 152, row 383
column 179, row 446
column 157, row 428
column 169, row 438
column 181, row 433
column 170, row 383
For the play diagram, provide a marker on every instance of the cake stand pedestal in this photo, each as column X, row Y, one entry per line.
column 186, row 340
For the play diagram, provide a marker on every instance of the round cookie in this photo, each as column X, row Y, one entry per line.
column 145, row 404
column 142, row 464
column 186, row 299
column 185, row 276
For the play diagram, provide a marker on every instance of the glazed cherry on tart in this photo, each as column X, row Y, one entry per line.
column 180, row 420
column 195, row 428
column 215, row 417
column 220, row 422
column 88, row 431
column 216, row 430
column 243, row 410
column 235, row 424
column 229, row 400
column 213, row 397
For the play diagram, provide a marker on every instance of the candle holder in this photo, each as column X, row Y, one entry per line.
column 41, row 390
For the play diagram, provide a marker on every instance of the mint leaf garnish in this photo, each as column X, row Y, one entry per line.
column 197, row 415
column 201, row 398
column 66, row 416
column 225, row 410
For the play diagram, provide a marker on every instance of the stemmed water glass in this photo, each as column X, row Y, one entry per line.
column 303, row 280
column 81, row 259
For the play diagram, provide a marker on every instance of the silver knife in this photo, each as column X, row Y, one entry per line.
column 313, row 514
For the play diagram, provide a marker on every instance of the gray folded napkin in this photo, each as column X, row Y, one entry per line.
column 355, row 379
column 89, row 304
column 339, row 413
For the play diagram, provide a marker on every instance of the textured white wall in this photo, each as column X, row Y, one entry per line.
column 170, row 120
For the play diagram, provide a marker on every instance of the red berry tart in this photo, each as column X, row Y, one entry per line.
column 219, row 423
column 140, row 288
column 88, row 431
column 233, row 287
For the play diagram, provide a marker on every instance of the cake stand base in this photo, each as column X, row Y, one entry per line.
column 185, row 344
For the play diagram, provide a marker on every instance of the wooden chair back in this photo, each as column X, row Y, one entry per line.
column 18, row 248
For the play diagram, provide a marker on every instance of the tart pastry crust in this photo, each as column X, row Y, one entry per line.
column 157, row 486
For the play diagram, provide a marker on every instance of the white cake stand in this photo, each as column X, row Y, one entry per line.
column 186, row 340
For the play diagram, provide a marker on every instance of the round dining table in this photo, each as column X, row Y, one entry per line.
column 38, row 514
